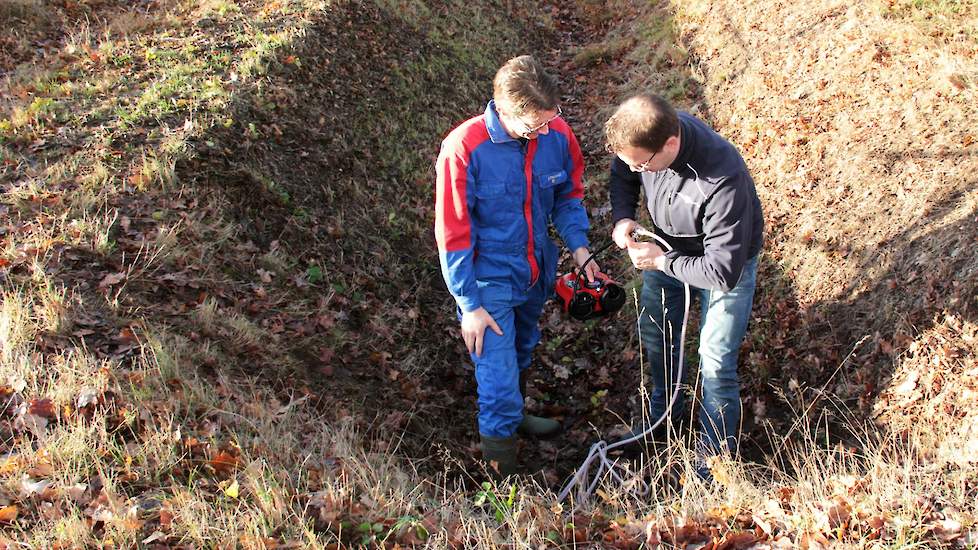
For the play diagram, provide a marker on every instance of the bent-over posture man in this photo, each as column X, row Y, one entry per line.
column 702, row 202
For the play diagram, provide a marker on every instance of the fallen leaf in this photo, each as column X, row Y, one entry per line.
column 111, row 279
column 10, row 463
column 764, row 525
column 157, row 535
column 42, row 407
column 37, row 425
column 126, row 335
column 77, row 493
column 42, row 469
column 813, row 541
column 232, row 489
column 86, row 397
column 948, row 530
column 736, row 540
column 29, row 488
column 327, row 321
column 876, row 522
column 8, row 513
column 688, row 533
column 560, row 371
column 101, row 513
column 837, row 513
column 652, row 537
column 224, row 462
column 759, row 408
column 50, row 512
column 166, row 518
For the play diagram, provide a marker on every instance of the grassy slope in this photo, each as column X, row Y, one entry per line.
column 862, row 145
column 861, row 138
column 196, row 230
column 190, row 244
column 828, row 281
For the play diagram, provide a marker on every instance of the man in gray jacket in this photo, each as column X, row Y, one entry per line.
column 703, row 204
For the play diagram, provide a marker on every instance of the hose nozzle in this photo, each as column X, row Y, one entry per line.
column 640, row 233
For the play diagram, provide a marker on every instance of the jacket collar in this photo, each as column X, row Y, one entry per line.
column 687, row 143
column 497, row 133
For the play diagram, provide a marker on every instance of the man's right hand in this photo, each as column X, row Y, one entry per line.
column 474, row 325
column 622, row 233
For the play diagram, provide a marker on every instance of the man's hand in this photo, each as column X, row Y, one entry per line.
column 647, row 256
column 580, row 256
column 474, row 325
column 622, row 233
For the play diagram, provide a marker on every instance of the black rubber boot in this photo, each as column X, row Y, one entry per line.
column 536, row 426
column 500, row 454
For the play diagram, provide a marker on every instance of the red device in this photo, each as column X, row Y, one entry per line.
column 584, row 300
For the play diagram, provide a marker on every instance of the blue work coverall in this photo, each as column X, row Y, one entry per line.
column 495, row 198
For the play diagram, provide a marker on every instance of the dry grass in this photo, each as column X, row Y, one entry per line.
column 151, row 453
column 856, row 121
column 863, row 150
column 953, row 22
column 937, row 379
column 868, row 115
column 860, row 142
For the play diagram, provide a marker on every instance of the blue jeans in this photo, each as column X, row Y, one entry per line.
column 497, row 370
column 723, row 325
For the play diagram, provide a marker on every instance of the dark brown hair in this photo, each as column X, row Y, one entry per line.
column 522, row 85
column 644, row 120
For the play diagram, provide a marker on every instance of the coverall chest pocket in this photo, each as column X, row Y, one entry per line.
column 497, row 202
column 548, row 183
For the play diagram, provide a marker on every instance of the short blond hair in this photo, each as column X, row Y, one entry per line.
column 522, row 85
column 644, row 120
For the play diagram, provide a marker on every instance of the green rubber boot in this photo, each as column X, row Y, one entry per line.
column 500, row 454
column 536, row 426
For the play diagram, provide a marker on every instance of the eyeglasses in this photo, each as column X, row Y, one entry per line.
column 634, row 167
column 535, row 128
column 645, row 165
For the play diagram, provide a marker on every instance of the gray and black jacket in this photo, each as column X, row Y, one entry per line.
column 704, row 205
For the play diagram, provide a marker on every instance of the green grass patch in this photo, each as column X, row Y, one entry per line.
column 945, row 19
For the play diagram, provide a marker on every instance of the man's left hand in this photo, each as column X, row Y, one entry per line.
column 590, row 271
column 647, row 256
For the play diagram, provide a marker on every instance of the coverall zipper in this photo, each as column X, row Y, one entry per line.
column 528, row 150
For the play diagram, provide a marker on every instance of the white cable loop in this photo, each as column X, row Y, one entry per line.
column 599, row 450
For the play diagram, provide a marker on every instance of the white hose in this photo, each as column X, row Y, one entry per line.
column 599, row 451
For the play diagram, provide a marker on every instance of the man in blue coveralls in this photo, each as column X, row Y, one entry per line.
column 501, row 178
